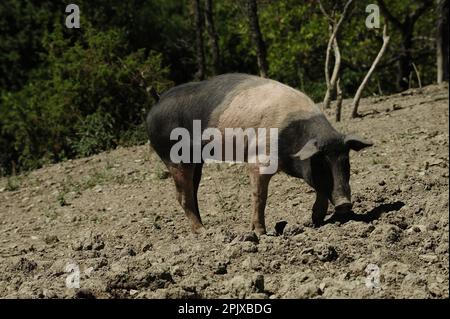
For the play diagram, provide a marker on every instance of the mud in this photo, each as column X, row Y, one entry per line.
column 114, row 218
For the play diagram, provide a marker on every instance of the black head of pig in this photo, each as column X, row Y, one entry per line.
column 324, row 165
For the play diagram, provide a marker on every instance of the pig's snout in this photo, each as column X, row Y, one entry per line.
column 343, row 205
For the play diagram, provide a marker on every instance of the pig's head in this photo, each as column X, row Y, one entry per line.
column 325, row 166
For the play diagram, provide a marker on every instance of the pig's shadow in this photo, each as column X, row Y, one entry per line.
column 368, row 217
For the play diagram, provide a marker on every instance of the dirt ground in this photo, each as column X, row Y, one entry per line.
column 114, row 218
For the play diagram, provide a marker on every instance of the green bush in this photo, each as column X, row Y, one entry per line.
column 89, row 92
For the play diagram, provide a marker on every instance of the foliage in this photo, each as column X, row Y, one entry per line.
column 74, row 92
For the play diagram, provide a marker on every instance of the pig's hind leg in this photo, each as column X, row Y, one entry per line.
column 187, row 179
column 260, row 184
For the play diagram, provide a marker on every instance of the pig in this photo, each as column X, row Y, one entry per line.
column 309, row 148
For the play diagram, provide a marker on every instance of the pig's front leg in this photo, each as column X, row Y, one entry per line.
column 319, row 210
column 260, row 184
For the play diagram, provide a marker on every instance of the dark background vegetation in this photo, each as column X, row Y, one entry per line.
column 66, row 93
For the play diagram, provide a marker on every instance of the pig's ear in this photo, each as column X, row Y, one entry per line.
column 308, row 150
column 356, row 143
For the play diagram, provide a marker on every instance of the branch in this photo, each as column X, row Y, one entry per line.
column 357, row 97
column 338, row 24
column 389, row 15
column 420, row 10
column 417, row 74
column 332, row 42
column 324, row 12
column 334, row 75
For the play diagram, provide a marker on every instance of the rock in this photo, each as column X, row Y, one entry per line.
column 158, row 276
column 394, row 271
column 243, row 286
column 279, row 227
column 416, row 229
column 442, row 249
column 293, row 230
column 414, row 285
column 146, row 247
column 221, row 268
column 84, row 294
column 249, row 247
column 429, row 258
column 195, row 283
column 25, row 265
column 248, row 237
column 133, row 292
column 325, row 252
column 275, row 264
column 127, row 251
column 299, row 285
column 177, row 271
column 358, row 266
column 50, row 239
column 251, row 263
column 387, row 233
column 88, row 241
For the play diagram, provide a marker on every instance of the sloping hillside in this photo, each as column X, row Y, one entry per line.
column 114, row 217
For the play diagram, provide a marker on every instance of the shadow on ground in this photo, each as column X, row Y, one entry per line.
column 372, row 215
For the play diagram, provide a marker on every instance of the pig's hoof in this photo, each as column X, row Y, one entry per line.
column 198, row 229
column 259, row 230
column 316, row 223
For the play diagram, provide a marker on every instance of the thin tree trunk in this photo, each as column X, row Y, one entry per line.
column 213, row 38
column 332, row 43
column 419, row 81
column 406, row 29
column 442, row 41
column 404, row 63
column 200, row 53
column 358, row 94
column 334, row 75
column 338, row 100
column 260, row 45
column 327, row 62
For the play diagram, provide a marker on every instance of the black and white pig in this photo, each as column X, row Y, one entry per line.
column 308, row 146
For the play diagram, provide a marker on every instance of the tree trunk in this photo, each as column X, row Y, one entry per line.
column 332, row 43
column 358, row 94
column 199, row 48
column 338, row 100
column 213, row 38
column 442, row 41
column 406, row 29
column 261, row 54
column 334, row 75
column 405, row 61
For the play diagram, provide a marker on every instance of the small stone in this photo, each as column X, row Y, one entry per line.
column 293, row 230
column 429, row 258
column 279, row 227
column 275, row 264
column 221, row 268
column 146, row 247
column 249, row 247
column 25, row 265
column 248, row 236
column 128, row 251
column 51, row 239
column 133, row 292
column 251, row 263
column 176, row 271
column 325, row 252
column 243, row 286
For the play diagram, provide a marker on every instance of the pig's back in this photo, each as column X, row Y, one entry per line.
column 229, row 100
